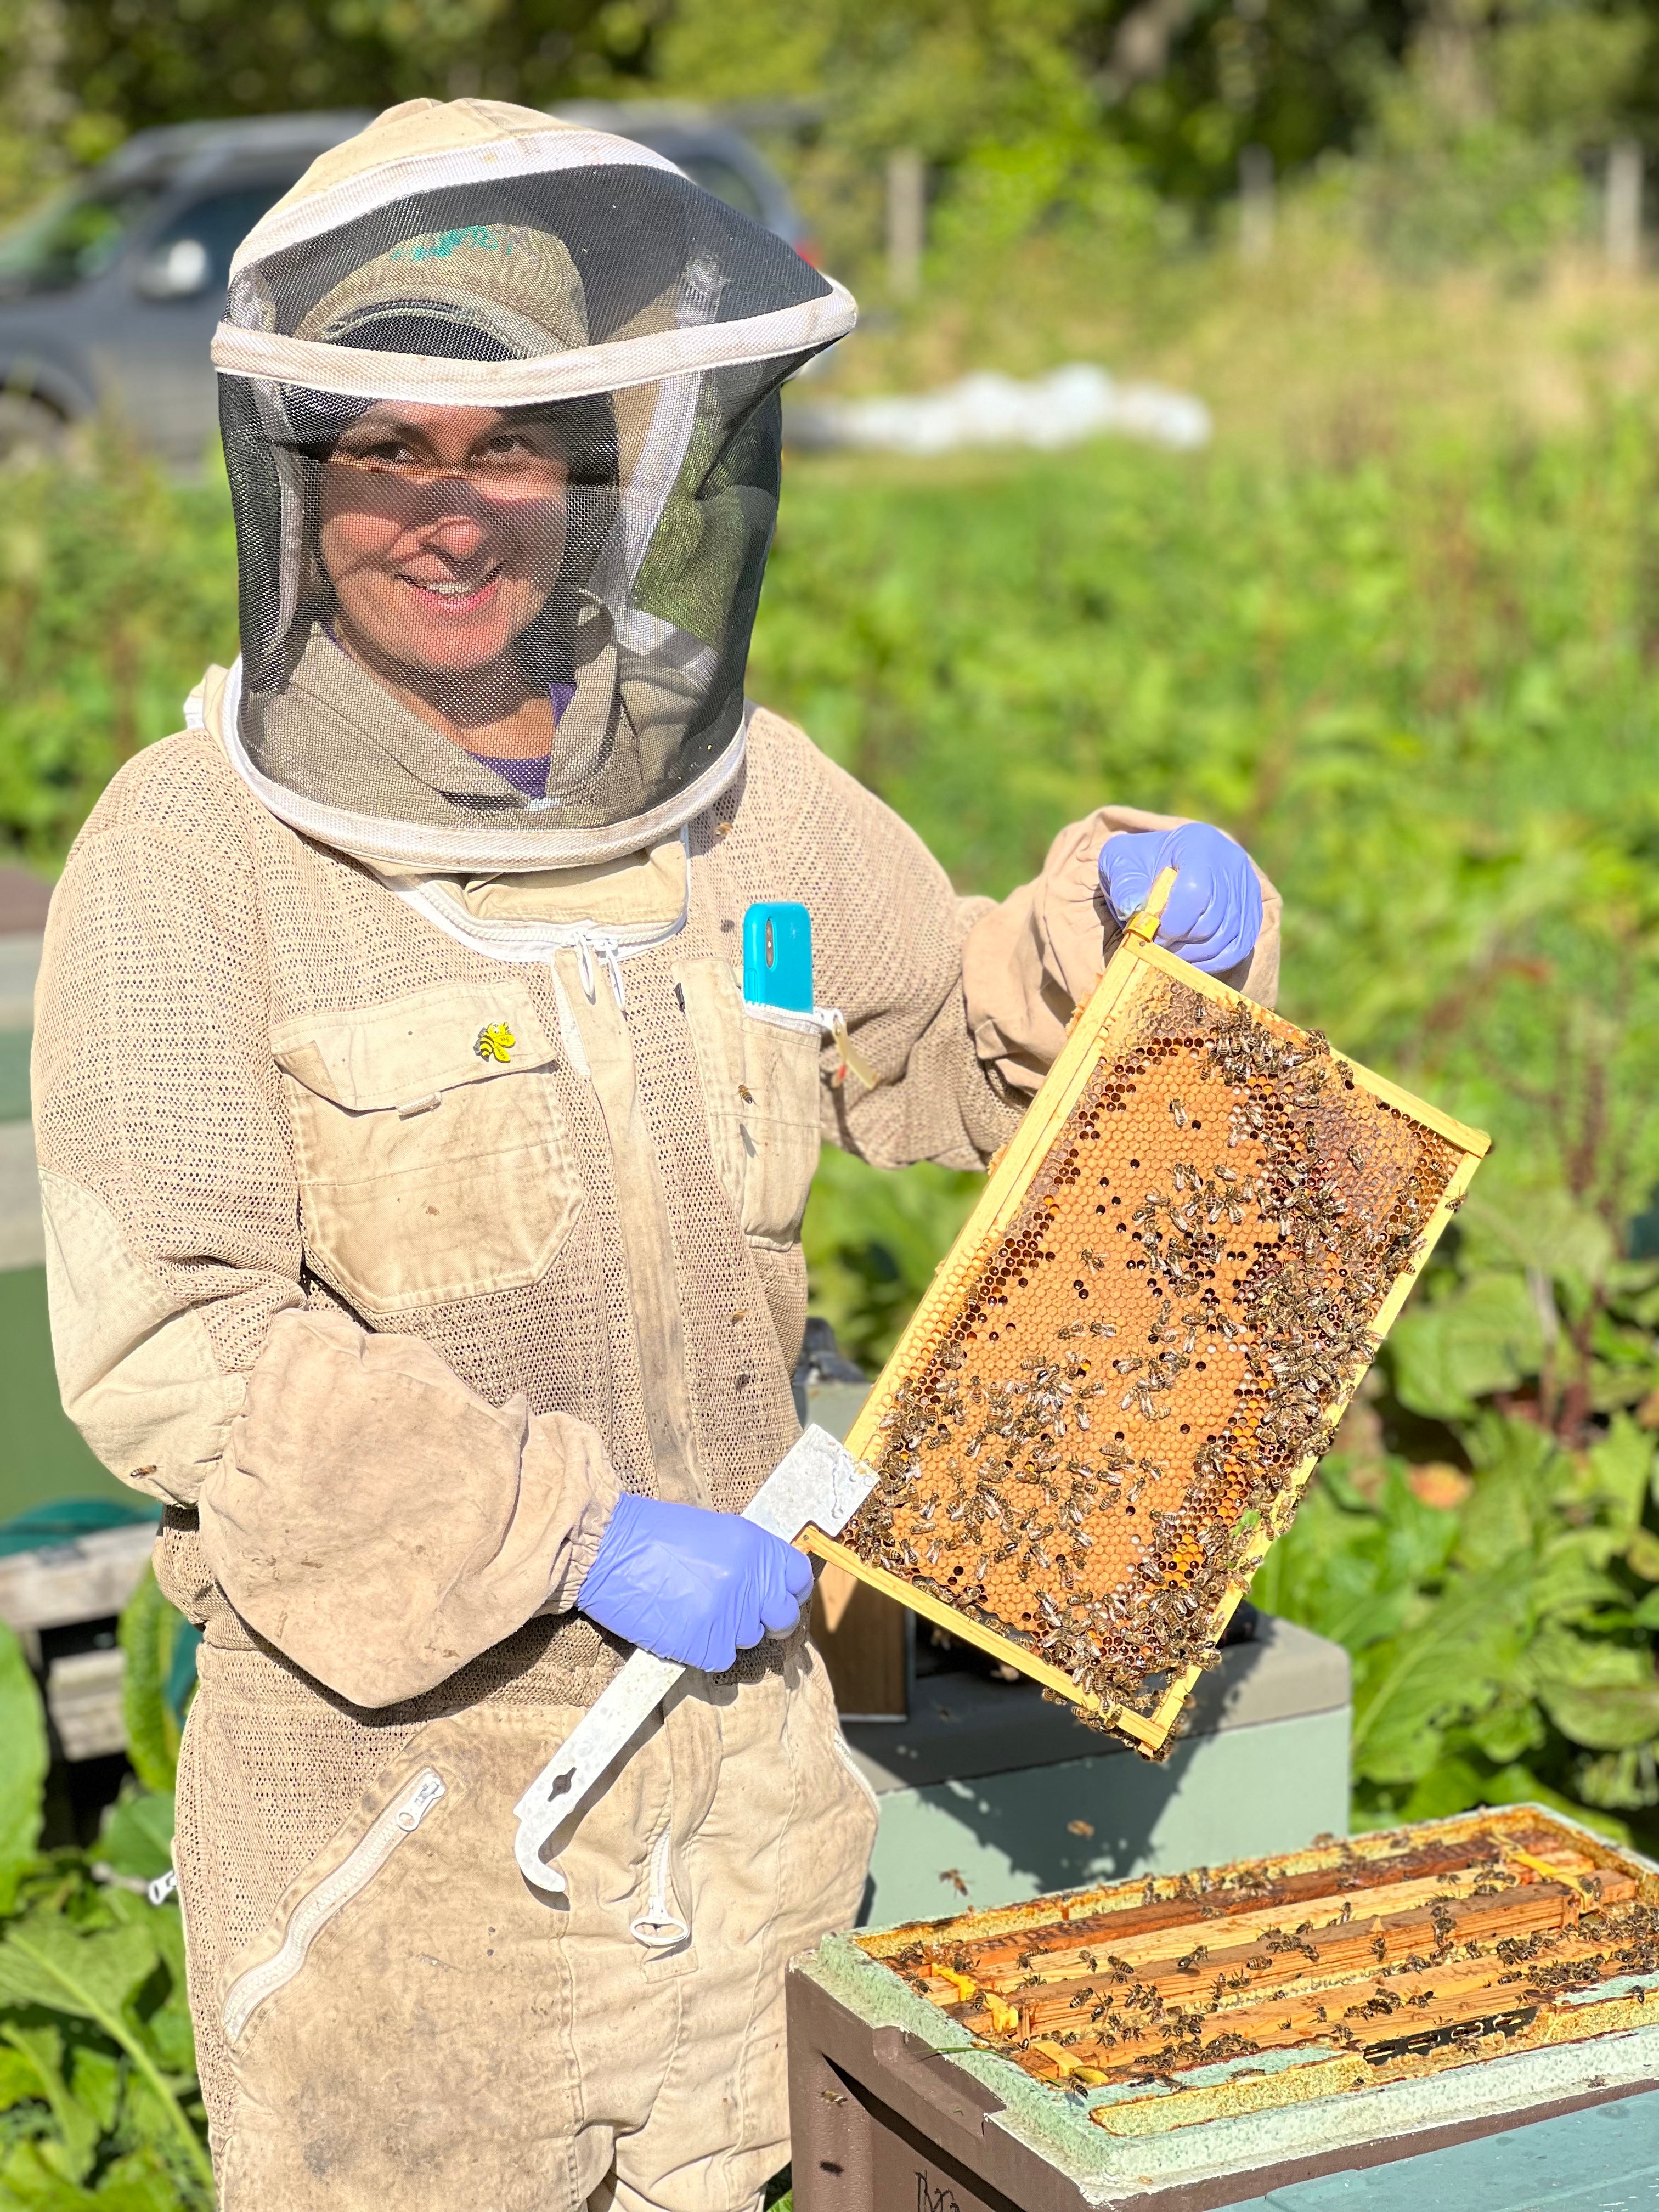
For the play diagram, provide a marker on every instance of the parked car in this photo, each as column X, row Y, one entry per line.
column 109, row 296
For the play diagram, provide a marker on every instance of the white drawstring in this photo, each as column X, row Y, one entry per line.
column 588, row 943
column 606, row 949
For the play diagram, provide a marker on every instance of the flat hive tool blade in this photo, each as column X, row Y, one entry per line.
column 817, row 1483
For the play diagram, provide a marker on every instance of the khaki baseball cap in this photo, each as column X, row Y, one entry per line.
column 515, row 286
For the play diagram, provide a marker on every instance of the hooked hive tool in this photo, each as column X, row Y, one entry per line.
column 1129, row 1364
column 816, row 1485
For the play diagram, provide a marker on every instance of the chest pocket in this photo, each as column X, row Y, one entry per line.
column 433, row 1164
column 761, row 1093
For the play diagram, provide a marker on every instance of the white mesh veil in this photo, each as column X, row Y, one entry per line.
column 499, row 398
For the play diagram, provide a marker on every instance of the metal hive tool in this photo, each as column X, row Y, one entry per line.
column 1130, row 1361
column 1262, row 1985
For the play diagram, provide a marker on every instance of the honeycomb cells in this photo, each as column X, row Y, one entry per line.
column 1108, row 1395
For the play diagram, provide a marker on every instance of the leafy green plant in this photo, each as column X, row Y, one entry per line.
column 117, row 588
column 160, row 1646
column 98, row 2106
column 23, row 1774
column 1418, row 679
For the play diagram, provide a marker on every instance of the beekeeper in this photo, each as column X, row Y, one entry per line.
column 423, row 1198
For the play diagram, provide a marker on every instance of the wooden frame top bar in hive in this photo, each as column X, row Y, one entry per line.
column 1179, row 1999
column 1131, row 1360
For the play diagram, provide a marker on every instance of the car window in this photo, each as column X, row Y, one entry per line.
column 218, row 223
column 75, row 238
column 724, row 182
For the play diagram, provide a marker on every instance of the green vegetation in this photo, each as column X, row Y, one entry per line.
column 116, row 588
column 1421, row 687
column 1398, row 631
column 98, row 2107
column 1418, row 679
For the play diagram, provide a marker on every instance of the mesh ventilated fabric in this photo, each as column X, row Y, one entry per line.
column 190, row 924
column 573, row 293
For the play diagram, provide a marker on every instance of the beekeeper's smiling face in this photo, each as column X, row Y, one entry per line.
column 442, row 530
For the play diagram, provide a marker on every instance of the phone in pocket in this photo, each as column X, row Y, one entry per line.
column 777, row 956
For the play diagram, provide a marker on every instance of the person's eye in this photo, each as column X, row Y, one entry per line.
column 384, row 453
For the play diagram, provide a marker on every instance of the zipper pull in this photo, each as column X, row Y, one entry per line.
column 419, row 1803
column 852, row 1062
column 606, row 949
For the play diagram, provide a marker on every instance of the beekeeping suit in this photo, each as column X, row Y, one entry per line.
column 418, row 1181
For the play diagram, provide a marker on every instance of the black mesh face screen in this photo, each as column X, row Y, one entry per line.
column 503, row 495
column 631, row 232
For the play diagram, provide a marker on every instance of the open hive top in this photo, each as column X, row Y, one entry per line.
column 1135, row 1353
column 1185, row 1998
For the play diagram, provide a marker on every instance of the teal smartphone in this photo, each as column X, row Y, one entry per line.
column 777, row 956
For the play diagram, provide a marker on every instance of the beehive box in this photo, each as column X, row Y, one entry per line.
column 1128, row 1366
column 1191, row 2040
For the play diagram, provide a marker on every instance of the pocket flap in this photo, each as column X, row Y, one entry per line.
column 412, row 1047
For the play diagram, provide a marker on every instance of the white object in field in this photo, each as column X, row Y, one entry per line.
column 907, row 220
column 1622, row 207
column 1062, row 408
column 817, row 1483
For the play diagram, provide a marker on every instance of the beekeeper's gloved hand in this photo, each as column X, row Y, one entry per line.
column 1214, row 914
column 692, row 1585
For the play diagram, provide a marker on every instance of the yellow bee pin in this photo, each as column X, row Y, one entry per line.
column 495, row 1041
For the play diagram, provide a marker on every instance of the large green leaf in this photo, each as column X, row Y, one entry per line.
column 1621, row 1466
column 19, row 2080
column 149, row 1627
column 1609, row 1716
column 1452, row 1662
column 137, row 1836
column 94, row 1974
column 166, row 2021
column 1549, row 1232
column 1568, row 1575
column 1483, row 1338
column 1601, row 1694
column 139, row 2182
column 77, row 2129
column 95, row 2081
column 143, row 2182
column 91, row 1973
column 24, row 1757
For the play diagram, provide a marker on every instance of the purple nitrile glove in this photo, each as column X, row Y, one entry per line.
column 1214, row 914
column 692, row 1585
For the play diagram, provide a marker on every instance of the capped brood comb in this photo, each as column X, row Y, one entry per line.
column 1130, row 1361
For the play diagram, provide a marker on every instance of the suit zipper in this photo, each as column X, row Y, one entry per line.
column 391, row 1827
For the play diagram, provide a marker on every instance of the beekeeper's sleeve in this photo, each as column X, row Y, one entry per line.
column 1028, row 964
column 958, row 1004
column 362, row 1509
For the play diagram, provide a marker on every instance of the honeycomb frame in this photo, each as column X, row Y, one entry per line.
column 1170, row 2000
column 1343, row 1185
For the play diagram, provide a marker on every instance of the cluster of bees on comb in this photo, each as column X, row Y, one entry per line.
column 1122, row 1384
column 1414, row 1949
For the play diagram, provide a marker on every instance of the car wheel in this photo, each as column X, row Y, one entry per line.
column 30, row 431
